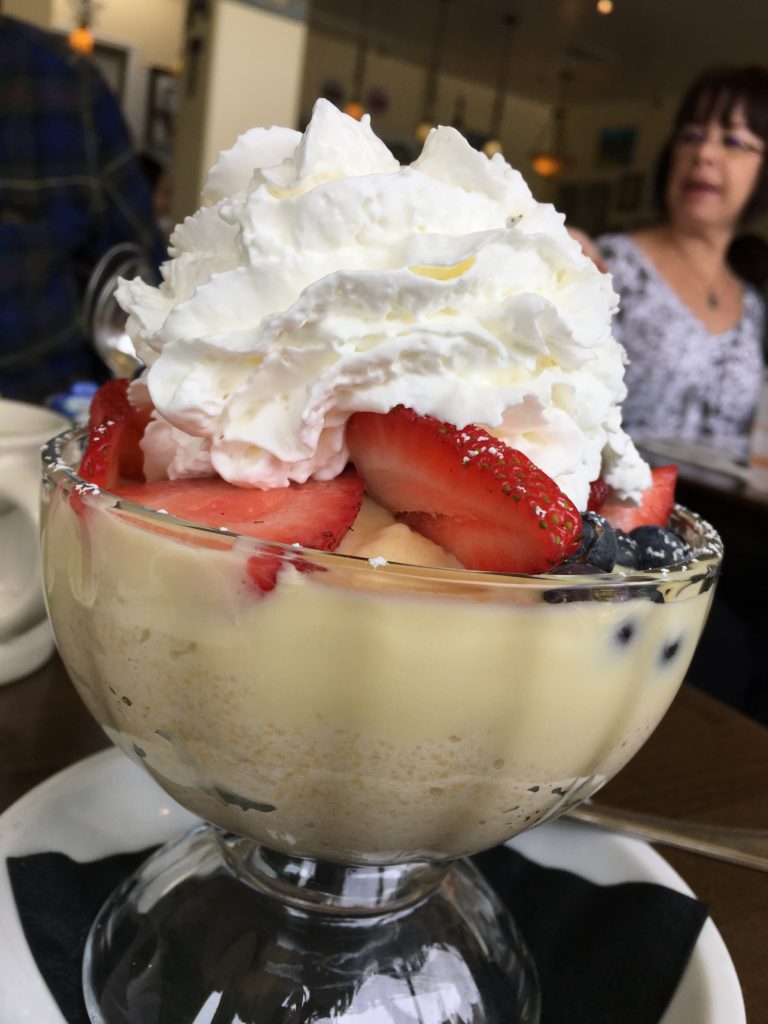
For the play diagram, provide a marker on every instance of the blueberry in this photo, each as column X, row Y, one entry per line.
column 627, row 546
column 659, row 547
column 598, row 546
column 670, row 650
column 625, row 633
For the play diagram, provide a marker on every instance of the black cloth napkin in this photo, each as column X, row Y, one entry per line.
column 605, row 954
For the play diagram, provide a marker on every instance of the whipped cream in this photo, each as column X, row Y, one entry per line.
column 321, row 278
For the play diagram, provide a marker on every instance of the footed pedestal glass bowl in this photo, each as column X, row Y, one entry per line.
column 348, row 737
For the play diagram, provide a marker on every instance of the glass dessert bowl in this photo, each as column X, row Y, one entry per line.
column 349, row 736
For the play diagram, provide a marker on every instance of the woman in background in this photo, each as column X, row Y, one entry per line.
column 692, row 328
column 693, row 331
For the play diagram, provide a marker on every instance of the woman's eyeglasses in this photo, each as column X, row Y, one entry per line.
column 732, row 140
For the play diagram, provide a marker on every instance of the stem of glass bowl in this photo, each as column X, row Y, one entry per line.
column 211, row 930
column 308, row 884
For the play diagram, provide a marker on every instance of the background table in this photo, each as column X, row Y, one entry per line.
column 705, row 762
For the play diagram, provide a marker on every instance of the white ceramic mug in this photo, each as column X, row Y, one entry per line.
column 26, row 641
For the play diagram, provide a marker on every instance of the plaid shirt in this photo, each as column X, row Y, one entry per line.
column 70, row 189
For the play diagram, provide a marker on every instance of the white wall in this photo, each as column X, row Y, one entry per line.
column 249, row 75
column 36, row 11
column 152, row 27
column 149, row 30
column 257, row 61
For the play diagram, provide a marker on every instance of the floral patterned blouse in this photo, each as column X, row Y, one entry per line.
column 683, row 382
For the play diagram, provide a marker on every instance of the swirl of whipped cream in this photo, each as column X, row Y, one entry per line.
column 321, row 278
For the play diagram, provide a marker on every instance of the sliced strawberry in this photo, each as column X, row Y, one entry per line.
column 473, row 495
column 598, row 492
column 110, row 400
column 655, row 506
column 116, row 427
column 315, row 514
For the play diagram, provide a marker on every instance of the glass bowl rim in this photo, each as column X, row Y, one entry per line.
column 705, row 565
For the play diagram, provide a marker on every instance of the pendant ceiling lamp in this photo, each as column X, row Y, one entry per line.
column 493, row 143
column 81, row 37
column 354, row 106
column 550, row 160
column 427, row 121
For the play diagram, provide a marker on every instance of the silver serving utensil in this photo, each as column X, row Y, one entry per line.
column 117, row 351
column 745, row 846
column 104, row 318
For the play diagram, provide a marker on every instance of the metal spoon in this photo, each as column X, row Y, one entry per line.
column 117, row 351
column 103, row 316
column 745, row 846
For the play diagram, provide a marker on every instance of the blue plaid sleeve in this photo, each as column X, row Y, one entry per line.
column 70, row 189
column 125, row 204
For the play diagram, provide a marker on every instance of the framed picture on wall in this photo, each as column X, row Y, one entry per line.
column 162, row 100
column 616, row 147
column 629, row 192
column 112, row 62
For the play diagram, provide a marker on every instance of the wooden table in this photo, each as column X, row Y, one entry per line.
column 704, row 762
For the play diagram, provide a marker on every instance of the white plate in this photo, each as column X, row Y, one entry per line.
column 105, row 804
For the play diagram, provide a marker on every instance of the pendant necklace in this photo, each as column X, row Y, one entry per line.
column 713, row 299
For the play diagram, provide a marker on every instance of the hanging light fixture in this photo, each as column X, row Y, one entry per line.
column 427, row 121
column 81, row 37
column 604, row 6
column 550, row 161
column 354, row 105
column 492, row 144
